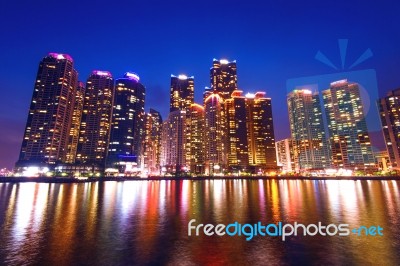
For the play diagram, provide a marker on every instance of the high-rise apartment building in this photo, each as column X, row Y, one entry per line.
column 389, row 110
column 250, row 134
column 128, row 124
column 285, row 155
column 152, row 142
column 237, row 131
column 182, row 98
column 181, row 93
column 307, row 130
column 50, row 113
column 197, row 144
column 223, row 77
column 173, row 143
column 350, row 143
column 261, row 137
column 96, row 119
column 215, row 134
column 75, row 123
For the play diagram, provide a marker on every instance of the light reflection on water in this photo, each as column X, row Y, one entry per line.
column 145, row 222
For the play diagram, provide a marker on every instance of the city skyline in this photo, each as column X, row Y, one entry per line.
column 269, row 49
column 237, row 127
column 117, row 138
column 180, row 78
column 200, row 132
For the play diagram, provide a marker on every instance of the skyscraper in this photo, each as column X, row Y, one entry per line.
column 96, row 119
column 49, row 118
column 128, row 124
column 197, row 144
column 223, row 77
column 237, row 131
column 260, row 128
column 152, row 142
column 350, row 143
column 173, row 143
column 182, row 98
column 181, row 93
column 215, row 134
column 307, row 130
column 75, row 123
column 389, row 110
column 250, row 141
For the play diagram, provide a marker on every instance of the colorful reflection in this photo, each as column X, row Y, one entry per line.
column 145, row 222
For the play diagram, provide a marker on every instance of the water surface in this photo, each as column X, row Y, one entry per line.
column 145, row 222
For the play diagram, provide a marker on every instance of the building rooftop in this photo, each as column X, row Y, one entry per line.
column 61, row 56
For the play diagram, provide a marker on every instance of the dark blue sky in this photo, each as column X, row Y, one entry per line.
column 272, row 42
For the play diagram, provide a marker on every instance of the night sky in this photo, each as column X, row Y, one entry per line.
column 272, row 42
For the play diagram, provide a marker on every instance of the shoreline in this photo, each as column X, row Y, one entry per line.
column 122, row 179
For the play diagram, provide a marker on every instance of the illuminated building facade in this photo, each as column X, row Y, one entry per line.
column 223, row 77
column 75, row 123
column 96, row 119
column 181, row 93
column 152, row 142
column 250, row 134
column 207, row 92
column 350, row 143
column 215, row 134
column 50, row 113
column 383, row 160
column 197, row 144
column 307, row 130
column 182, row 98
column 173, row 143
column 389, row 110
column 127, row 128
column 237, row 131
column 285, row 155
column 260, row 131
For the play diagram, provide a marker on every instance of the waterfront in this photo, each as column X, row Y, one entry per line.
column 145, row 222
